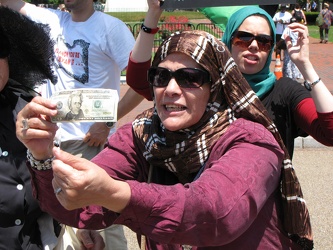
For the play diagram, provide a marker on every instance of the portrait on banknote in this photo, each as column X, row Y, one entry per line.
column 86, row 105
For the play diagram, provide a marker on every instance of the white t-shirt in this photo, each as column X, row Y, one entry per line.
column 285, row 17
column 89, row 54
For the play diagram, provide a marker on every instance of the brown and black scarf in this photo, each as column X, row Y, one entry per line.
column 184, row 152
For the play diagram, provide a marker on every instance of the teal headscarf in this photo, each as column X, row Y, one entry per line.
column 264, row 80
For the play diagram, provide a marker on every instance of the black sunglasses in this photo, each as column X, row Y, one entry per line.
column 185, row 77
column 244, row 39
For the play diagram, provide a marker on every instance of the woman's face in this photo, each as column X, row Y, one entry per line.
column 177, row 107
column 251, row 59
column 4, row 72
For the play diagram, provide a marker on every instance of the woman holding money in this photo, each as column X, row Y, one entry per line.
column 195, row 170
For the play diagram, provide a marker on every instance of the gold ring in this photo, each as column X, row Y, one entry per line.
column 25, row 124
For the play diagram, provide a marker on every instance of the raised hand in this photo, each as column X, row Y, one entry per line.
column 34, row 128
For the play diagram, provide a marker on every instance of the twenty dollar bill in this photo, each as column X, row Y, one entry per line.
column 86, row 105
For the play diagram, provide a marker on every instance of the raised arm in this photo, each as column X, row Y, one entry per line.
column 300, row 55
column 17, row 5
column 145, row 41
column 139, row 61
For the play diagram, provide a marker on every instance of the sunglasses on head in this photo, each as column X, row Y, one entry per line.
column 244, row 39
column 185, row 77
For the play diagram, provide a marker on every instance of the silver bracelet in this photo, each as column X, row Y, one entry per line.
column 39, row 165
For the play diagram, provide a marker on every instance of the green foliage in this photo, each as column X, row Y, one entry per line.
column 54, row 2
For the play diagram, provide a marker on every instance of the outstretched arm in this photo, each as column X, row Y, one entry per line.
column 17, row 5
column 128, row 102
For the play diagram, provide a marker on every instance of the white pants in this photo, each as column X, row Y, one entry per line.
column 113, row 237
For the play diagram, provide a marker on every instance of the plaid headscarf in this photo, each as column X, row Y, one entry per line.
column 184, row 152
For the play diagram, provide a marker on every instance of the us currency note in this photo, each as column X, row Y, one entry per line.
column 86, row 105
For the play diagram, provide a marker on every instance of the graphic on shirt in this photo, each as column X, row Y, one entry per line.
column 73, row 59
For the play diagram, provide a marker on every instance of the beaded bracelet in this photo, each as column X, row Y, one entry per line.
column 39, row 165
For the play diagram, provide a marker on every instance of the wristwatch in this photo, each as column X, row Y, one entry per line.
column 110, row 124
column 310, row 85
column 149, row 30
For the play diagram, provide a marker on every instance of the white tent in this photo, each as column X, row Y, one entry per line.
column 126, row 6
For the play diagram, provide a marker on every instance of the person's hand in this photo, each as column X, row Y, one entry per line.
column 155, row 4
column 299, row 53
column 90, row 239
column 97, row 134
column 154, row 11
column 35, row 129
column 83, row 183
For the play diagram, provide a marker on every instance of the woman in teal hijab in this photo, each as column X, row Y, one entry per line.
column 295, row 110
column 264, row 80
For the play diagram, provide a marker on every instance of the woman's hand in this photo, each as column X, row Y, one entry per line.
column 83, row 183
column 35, row 129
column 299, row 53
column 155, row 4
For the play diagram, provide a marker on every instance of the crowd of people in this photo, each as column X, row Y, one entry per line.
column 209, row 166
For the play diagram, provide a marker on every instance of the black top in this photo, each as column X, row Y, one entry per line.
column 18, row 209
column 281, row 103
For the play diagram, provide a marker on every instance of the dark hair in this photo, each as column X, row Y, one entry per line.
column 293, row 20
column 29, row 48
column 4, row 45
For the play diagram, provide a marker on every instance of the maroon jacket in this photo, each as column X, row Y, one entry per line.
column 234, row 204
